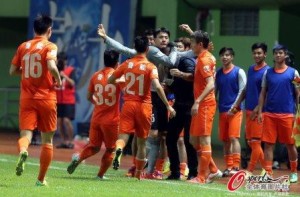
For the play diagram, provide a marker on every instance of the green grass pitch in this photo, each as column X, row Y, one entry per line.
column 83, row 182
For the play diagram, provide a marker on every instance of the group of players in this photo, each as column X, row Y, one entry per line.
column 153, row 69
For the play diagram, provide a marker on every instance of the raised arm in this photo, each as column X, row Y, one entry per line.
column 115, row 44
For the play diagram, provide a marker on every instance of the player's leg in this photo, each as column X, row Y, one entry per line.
column 90, row 149
column 27, row 122
column 234, row 131
column 269, row 137
column 110, row 135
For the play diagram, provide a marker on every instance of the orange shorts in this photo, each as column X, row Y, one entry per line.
column 136, row 117
column 229, row 125
column 40, row 114
column 201, row 124
column 278, row 128
column 252, row 127
column 103, row 133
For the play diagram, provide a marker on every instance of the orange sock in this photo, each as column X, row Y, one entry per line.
column 120, row 144
column 140, row 163
column 229, row 161
column 204, row 161
column 87, row 152
column 45, row 160
column 23, row 144
column 294, row 165
column 105, row 162
column 256, row 155
column 182, row 168
column 159, row 165
column 212, row 166
column 268, row 166
column 236, row 160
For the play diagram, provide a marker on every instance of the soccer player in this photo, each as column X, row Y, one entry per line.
column 105, row 119
column 137, row 109
column 279, row 96
column 203, row 109
column 66, row 100
column 35, row 61
column 155, row 141
column 230, row 82
column 251, row 95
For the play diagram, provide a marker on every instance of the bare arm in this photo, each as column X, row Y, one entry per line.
column 162, row 96
column 15, row 70
column 69, row 80
column 112, row 79
column 208, row 88
column 183, row 75
column 54, row 72
column 90, row 97
column 261, row 102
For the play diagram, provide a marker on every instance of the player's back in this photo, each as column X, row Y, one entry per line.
column 138, row 73
column 32, row 57
column 106, row 96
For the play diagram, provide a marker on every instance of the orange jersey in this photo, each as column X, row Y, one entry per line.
column 106, row 97
column 138, row 73
column 32, row 57
column 205, row 67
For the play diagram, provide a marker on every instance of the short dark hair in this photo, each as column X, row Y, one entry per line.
column 280, row 47
column 141, row 44
column 201, row 36
column 224, row 49
column 111, row 57
column 260, row 45
column 185, row 41
column 61, row 58
column 162, row 29
column 148, row 32
column 42, row 23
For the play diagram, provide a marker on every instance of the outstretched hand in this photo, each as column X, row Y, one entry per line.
column 186, row 28
column 101, row 31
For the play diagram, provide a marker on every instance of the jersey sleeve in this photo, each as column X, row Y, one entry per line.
column 264, row 80
column 154, row 72
column 17, row 57
column 51, row 52
column 91, row 85
column 204, row 66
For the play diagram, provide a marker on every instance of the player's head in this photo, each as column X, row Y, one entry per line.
column 111, row 58
column 183, row 43
column 199, row 41
column 279, row 53
column 61, row 61
column 42, row 25
column 280, row 47
column 259, row 52
column 226, row 55
column 161, row 37
column 149, row 33
column 141, row 44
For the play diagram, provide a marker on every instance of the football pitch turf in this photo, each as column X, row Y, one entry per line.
column 83, row 182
